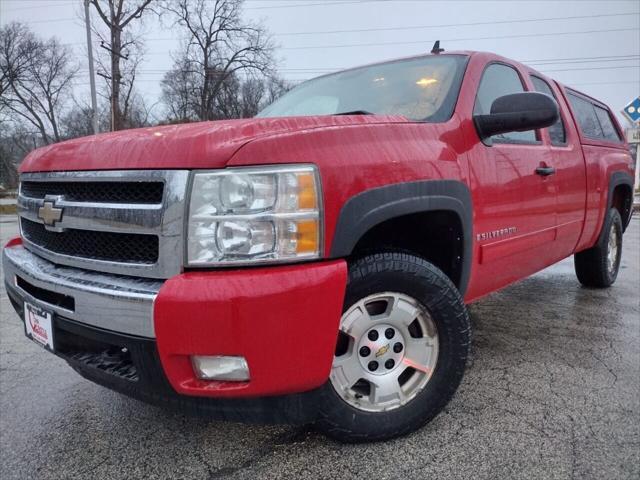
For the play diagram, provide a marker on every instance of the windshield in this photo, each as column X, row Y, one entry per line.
column 423, row 89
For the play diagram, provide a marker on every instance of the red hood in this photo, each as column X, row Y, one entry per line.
column 196, row 145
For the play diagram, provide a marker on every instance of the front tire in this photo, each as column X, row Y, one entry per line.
column 401, row 352
column 598, row 266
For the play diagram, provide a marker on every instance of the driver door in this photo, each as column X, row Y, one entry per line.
column 515, row 204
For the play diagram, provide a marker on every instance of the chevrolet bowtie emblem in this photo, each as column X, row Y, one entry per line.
column 382, row 351
column 49, row 214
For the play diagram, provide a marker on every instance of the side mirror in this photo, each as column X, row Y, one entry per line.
column 517, row 112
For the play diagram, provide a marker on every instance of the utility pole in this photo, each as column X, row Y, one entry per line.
column 92, row 80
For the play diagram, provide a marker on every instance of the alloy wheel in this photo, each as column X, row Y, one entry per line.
column 386, row 353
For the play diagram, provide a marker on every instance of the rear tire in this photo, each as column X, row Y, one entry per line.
column 398, row 287
column 598, row 266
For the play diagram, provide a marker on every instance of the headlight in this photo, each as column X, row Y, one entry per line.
column 251, row 215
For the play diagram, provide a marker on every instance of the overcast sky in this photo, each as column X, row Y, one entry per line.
column 591, row 45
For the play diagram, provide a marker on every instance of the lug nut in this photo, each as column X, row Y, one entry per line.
column 397, row 347
column 373, row 335
column 389, row 364
column 373, row 366
column 365, row 351
column 389, row 333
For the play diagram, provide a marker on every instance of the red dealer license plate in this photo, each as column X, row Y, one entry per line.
column 38, row 325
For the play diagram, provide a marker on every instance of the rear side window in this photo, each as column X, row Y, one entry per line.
column 556, row 131
column 608, row 130
column 586, row 116
column 498, row 80
column 594, row 121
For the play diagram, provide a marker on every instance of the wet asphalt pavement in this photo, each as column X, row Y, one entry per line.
column 552, row 391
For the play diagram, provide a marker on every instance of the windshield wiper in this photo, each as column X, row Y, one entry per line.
column 355, row 112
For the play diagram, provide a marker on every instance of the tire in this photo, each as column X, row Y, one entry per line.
column 598, row 266
column 406, row 283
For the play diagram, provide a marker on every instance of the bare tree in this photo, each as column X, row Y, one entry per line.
column 227, row 104
column 252, row 94
column 276, row 87
column 180, row 92
column 35, row 77
column 117, row 16
column 220, row 45
column 236, row 98
column 15, row 142
column 256, row 94
column 77, row 121
column 8, row 165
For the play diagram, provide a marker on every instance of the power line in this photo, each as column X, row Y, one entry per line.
column 48, row 5
column 417, row 27
column 538, row 60
column 443, row 40
column 427, row 41
column 605, row 83
column 54, row 20
column 324, row 4
column 315, row 4
column 593, row 68
column 498, row 22
column 615, row 58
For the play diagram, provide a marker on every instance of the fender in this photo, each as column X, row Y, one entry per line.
column 621, row 178
column 372, row 207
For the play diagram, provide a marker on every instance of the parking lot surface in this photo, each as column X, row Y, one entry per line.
column 552, row 391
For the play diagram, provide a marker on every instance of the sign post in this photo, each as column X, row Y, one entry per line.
column 632, row 112
column 633, row 139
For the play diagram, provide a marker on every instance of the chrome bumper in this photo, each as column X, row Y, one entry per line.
column 111, row 302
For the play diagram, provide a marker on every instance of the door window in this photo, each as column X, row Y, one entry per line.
column 499, row 80
column 556, row 131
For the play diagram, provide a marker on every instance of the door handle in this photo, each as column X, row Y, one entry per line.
column 545, row 171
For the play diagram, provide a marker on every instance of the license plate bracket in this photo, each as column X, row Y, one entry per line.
column 38, row 325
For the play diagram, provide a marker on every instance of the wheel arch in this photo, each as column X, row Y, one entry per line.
column 371, row 208
column 620, row 195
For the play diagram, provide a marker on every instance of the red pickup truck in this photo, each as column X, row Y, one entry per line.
column 313, row 264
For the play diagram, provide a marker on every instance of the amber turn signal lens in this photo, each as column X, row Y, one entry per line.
column 306, row 191
column 307, row 237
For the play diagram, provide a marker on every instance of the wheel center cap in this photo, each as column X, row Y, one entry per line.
column 381, row 349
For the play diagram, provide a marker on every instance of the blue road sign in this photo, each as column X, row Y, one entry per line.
column 632, row 111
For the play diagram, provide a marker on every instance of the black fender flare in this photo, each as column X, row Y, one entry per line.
column 621, row 178
column 369, row 208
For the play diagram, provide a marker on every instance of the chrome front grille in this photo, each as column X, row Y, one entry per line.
column 107, row 246
column 124, row 222
column 103, row 192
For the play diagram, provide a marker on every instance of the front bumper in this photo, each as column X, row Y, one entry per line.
column 110, row 302
column 137, row 336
